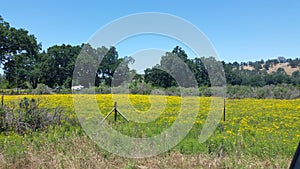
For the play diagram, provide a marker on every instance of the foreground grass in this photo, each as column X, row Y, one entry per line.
column 75, row 150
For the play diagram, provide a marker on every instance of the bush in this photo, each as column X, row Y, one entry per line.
column 120, row 90
column 205, row 91
column 282, row 91
column 173, row 91
column 240, row 92
column 189, row 91
column 28, row 116
column 158, row 92
column 140, row 88
column 103, row 89
column 42, row 89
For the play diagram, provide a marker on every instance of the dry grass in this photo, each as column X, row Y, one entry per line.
column 247, row 67
column 81, row 152
column 273, row 68
column 288, row 69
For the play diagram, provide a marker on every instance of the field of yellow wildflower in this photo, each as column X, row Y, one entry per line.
column 262, row 128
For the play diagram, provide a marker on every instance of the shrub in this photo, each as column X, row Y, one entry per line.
column 189, row 91
column 103, row 89
column 28, row 116
column 140, row 88
column 42, row 89
column 173, row 91
column 205, row 91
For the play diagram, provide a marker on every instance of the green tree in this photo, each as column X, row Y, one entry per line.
column 157, row 77
column 57, row 65
column 122, row 73
column 108, row 65
column 200, row 72
column 177, row 65
column 18, row 52
column 85, row 72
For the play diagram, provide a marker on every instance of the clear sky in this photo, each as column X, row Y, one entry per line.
column 239, row 30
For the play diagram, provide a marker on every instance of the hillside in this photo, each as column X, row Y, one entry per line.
column 287, row 68
column 288, row 65
column 273, row 68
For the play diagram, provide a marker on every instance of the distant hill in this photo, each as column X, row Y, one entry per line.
column 274, row 67
column 261, row 73
column 288, row 65
column 287, row 68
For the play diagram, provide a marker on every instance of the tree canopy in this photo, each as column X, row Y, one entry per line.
column 25, row 66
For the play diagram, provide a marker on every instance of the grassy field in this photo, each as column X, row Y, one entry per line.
column 257, row 134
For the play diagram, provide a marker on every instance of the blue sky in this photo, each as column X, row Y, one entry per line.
column 239, row 30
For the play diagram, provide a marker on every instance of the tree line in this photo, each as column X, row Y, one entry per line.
column 25, row 65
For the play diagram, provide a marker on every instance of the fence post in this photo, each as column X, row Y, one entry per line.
column 2, row 100
column 116, row 113
column 224, row 111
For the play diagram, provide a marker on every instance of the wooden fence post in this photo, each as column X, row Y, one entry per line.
column 2, row 100
column 224, row 111
column 116, row 112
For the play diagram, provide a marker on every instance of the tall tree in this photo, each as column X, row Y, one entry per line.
column 58, row 65
column 108, row 65
column 177, row 65
column 18, row 52
column 198, row 68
